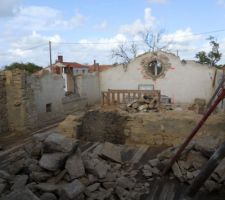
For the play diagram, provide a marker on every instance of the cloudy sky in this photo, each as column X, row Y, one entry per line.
column 84, row 30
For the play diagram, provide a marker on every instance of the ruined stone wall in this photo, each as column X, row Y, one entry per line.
column 3, row 110
column 88, row 86
column 48, row 93
column 182, row 81
column 21, row 111
column 29, row 102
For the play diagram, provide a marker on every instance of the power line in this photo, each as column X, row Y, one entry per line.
column 35, row 47
column 216, row 31
column 27, row 49
column 133, row 41
column 140, row 42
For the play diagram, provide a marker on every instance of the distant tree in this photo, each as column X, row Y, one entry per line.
column 212, row 57
column 153, row 40
column 30, row 67
column 125, row 53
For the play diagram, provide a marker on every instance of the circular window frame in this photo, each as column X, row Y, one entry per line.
column 151, row 68
column 147, row 61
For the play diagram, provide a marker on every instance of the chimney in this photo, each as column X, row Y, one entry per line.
column 94, row 62
column 60, row 58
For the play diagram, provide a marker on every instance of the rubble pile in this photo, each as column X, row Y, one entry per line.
column 144, row 104
column 198, row 106
column 55, row 168
column 189, row 164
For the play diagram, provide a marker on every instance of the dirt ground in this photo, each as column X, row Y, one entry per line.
column 167, row 128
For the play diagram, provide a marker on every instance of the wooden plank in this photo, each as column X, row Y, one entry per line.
column 102, row 99
column 139, row 95
column 113, row 97
column 108, row 98
column 123, row 97
column 118, row 97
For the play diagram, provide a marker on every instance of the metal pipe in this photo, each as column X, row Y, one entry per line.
column 195, row 130
column 212, row 163
column 216, row 92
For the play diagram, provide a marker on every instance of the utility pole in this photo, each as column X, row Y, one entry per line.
column 50, row 53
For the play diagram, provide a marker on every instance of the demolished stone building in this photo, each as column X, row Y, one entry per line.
column 29, row 102
column 182, row 81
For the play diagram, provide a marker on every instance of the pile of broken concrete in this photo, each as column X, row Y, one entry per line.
column 189, row 165
column 55, row 167
column 144, row 104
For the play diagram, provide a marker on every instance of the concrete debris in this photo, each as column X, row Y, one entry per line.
column 212, row 185
column 177, row 171
column 198, row 106
column 59, row 143
column 2, row 187
column 60, row 171
column 20, row 182
column 207, row 145
column 52, row 161
column 144, row 104
column 74, row 165
column 47, row 187
column 4, row 175
column 21, row 195
column 101, row 169
column 48, row 196
column 187, row 167
column 72, row 190
column 40, row 176
column 94, row 187
column 63, row 171
column 111, row 152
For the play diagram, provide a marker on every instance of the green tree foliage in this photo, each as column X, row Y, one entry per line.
column 212, row 57
column 30, row 67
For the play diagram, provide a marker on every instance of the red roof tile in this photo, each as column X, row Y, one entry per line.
column 100, row 68
column 74, row 65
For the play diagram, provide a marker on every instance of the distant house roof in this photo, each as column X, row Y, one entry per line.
column 100, row 68
column 74, row 65
column 91, row 68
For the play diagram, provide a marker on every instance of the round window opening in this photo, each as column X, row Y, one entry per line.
column 155, row 68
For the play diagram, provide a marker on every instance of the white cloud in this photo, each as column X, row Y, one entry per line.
column 38, row 18
column 32, row 48
column 221, row 2
column 138, row 25
column 77, row 20
column 181, row 37
column 157, row 1
column 101, row 26
column 222, row 49
column 150, row 20
column 104, row 44
column 8, row 7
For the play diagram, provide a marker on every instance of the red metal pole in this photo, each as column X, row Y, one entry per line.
column 220, row 97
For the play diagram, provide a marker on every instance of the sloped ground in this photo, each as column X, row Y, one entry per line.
column 55, row 167
column 142, row 138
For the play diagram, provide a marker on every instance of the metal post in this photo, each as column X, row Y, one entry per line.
column 216, row 92
column 212, row 163
column 220, row 97
column 50, row 53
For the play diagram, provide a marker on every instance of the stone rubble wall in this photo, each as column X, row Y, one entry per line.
column 23, row 100
column 3, row 111
column 20, row 105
